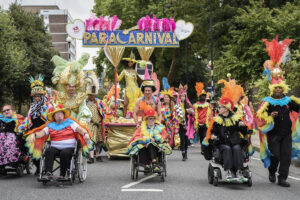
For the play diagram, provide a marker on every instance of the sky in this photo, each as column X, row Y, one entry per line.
column 78, row 9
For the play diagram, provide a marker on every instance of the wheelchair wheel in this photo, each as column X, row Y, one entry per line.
column 135, row 172
column 82, row 167
column 163, row 176
column 210, row 174
column 132, row 162
column 20, row 170
column 215, row 181
column 249, row 183
column 29, row 166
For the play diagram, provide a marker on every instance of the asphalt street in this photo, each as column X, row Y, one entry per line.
column 185, row 180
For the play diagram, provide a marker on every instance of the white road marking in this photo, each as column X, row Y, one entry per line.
column 139, row 181
column 291, row 177
column 141, row 190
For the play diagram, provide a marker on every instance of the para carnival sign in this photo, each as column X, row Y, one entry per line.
column 130, row 39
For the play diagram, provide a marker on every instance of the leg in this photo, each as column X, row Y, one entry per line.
column 126, row 102
column 274, row 147
column 202, row 134
column 151, row 150
column 49, row 158
column 182, row 138
column 226, row 153
column 285, row 157
column 143, row 155
column 237, row 157
column 65, row 160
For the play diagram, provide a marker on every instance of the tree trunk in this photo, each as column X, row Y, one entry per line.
column 171, row 74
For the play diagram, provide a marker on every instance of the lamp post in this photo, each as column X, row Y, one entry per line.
column 69, row 40
column 211, row 50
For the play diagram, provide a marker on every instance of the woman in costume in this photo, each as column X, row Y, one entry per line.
column 147, row 137
column 168, row 112
column 38, row 111
column 9, row 151
column 132, row 91
column 184, row 113
column 62, row 131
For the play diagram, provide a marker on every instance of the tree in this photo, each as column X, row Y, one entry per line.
column 36, row 42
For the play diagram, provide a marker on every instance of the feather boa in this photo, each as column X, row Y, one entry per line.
column 36, row 148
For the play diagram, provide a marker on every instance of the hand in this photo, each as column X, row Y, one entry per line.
column 274, row 113
column 213, row 137
column 152, row 140
column 32, row 138
column 138, row 125
column 242, row 123
column 86, row 136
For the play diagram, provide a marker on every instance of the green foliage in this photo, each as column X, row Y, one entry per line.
column 26, row 50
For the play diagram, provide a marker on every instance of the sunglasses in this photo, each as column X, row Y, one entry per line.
column 6, row 110
column 151, row 118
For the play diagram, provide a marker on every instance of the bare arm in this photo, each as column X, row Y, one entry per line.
column 159, row 111
column 38, row 134
column 136, row 112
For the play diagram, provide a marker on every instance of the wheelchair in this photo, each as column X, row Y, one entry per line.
column 24, row 162
column 77, row 170
column 136, row 166
column 216, row 167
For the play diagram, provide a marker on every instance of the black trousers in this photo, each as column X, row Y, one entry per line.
column 281, row 149
column 183, row 138
column 65, row 156
column 202, row 134
column 232, row 156
column 147, row 154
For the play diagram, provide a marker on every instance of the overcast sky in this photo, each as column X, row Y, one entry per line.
column 78, row 9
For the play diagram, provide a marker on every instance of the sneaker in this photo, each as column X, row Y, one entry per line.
column 61, row 178
column 99, row 159
column 155, row 167
column 239, row 174
column 48, row 176
column 229, row 175
column 90, row 160
column 147, row 168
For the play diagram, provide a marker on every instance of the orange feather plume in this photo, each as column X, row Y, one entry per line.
column 199, row 87
column 231, row 90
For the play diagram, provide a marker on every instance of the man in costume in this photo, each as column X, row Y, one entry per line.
column 278, row 118
column 148, row 136
column 71, row 86
column 96, row 124
column 38, row 111
column 227, row 127
column 62, row 131
column 132, row 91
column 147, row 88
column 203, row 112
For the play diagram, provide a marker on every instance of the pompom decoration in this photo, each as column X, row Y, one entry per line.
column 103, row 23
column 154, row 24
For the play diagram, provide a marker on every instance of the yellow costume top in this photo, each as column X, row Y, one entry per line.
column 132, row 90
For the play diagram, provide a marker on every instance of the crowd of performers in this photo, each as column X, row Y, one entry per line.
column 168, row 119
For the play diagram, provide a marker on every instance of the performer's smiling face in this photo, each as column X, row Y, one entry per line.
column 130, row 64
column 278, row 92
column 150, row 121
column 71, row 90
column 37, row 97
column 182, row 98
column 7, row 111
column 148, row 91
column 59, row 117
column 166, row 98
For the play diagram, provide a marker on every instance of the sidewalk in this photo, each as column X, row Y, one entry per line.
column 255, row 143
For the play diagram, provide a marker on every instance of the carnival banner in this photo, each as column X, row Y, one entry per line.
column 130, row 39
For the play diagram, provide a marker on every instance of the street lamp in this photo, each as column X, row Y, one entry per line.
column 69, row 40
column 211, row 50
